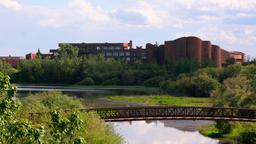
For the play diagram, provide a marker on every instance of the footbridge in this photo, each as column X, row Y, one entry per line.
column 172, row 113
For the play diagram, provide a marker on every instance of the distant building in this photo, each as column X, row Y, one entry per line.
column 238, row 56
column 34, row 56
column 171, row 51
column 118, row 51
column 13, row 61
column 31, row 56
column 195, row 48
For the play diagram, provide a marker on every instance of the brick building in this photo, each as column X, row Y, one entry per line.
column 197, row 49
column 118, row 51
column 171, row 51
column 13, row 61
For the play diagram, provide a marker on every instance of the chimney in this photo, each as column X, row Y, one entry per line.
column 130, row 43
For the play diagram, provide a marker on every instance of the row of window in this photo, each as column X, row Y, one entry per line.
column 109, row 54
column 109, row 48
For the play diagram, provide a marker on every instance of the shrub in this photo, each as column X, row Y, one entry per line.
column 153, row 82
column 223, row 126
column 87, row 81
column 248, row 137
column 200, row 85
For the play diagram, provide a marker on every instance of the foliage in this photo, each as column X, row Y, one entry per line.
column 13, row 130
column 234, row 93
column 223, row 126
column 230, row 71
column 250, row 73
column 6, row 69
column 49, row 101
column 91, row 128
column 86, row 81
column 65, row 130
column 248, row 136
column 68, row 51
column 199, row 85
column 154, row 82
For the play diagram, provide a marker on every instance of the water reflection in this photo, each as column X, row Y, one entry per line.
column 162, row 132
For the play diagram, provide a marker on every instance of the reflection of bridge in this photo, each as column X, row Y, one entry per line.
column 173, row 113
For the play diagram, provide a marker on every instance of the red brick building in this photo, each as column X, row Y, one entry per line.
column 13, row 61
column 199, row 50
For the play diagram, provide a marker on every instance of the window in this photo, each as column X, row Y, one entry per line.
column 98, row 48
column 105, row 48
column 115, row 54
column 128, row 59
column 111, row 48
column 109, row 54
column 118, row 48
column 143, row 55
column 121, row 53
column 127, row 53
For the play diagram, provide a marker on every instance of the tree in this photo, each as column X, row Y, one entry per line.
column 13, row 130
column 68, row 51
column 250, row 73
column 234, row 93
column 65, row 130
column 7, row 69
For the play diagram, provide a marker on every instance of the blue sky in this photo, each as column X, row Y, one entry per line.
column 27, row 25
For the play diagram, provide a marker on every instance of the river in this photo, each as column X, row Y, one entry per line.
column 136, row 132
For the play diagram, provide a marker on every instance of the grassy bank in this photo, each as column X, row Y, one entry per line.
column 234, row 136
column 162, row 100
column 93, row 130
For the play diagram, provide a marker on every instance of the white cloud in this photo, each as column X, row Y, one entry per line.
column 11, row 4
column 153, row 17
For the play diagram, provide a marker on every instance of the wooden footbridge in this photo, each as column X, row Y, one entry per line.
column 171, row 113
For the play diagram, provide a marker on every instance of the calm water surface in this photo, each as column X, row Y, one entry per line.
column 136, row 132
column 162, row 132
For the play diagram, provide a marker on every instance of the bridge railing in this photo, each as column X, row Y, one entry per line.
column 159, row 111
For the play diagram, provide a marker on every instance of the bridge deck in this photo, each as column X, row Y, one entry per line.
column 173, row 112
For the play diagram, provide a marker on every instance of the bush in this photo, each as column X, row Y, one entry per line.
column 153, row 82
column 203, row 85
column 223, row 126
column 248, row 137
column 48, row 101
column 230, row 71
column 87, row 81
column 113, row 81
column 200, row 85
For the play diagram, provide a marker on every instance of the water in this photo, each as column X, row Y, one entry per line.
column 136, row 132
column 162, row 132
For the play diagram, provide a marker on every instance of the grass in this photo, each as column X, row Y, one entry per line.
column 237, row 129
column 162, row 100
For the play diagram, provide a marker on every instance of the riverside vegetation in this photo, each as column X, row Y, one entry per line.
column 57, row 127
column 231, row 86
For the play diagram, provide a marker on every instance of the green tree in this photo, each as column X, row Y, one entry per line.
column 7, row 69
column 13, row 130
column 65, row 130
column 234, row 93
column 68, row 51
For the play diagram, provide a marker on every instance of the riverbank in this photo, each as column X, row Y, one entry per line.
column 238, row 132
column 162, row 100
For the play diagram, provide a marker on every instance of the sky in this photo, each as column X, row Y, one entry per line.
column 29, row 25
